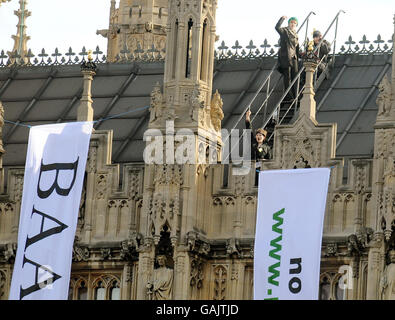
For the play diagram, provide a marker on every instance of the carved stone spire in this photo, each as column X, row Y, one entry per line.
column 85, row 110
column 136, row 24
column 19, row 52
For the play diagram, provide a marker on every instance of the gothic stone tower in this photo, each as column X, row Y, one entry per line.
column 174, row 219
column 381, row 272
column 137, row 24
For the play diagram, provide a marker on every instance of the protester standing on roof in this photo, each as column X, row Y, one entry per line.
column 288, row 53
column 322, row 51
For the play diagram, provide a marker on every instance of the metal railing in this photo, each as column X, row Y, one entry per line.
column 294, row 103
column 276, row 109
column 267, row 81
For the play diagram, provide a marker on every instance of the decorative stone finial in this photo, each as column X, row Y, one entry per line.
column 85, row 110
column 89, row 65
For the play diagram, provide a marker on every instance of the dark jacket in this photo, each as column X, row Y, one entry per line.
column 324, row 49
column 258, row 153
column 289, row 45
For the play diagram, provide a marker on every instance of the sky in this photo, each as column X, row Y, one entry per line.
column 73, row 23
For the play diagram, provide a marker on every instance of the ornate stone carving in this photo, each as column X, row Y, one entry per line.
column 129, row 273
column 197, row 102
column 80, row 253
column 3, row 281
column 384, row 98
column 168, row 175
column 106, row 253
column 130, row 247
column 216, row 112
column 18, row 187
column 156, row 103
column 134, row 185
column 7, row 207
column 358, row 243
column 8, row 253
column 331, row 250
column 196, row 244
column 101, row 186
column 196, row 275
column 384, row 143
column 233, row 247
column 92, row 160
column 161, row 286
column 220, row 280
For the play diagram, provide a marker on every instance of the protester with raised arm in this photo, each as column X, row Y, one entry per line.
column 288, row 53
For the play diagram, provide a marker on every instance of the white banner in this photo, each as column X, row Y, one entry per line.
column 54, row 174
column 291, row 208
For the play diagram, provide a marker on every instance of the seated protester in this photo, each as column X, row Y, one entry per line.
column 288, row 53
column 322, row 51
column 259, row 148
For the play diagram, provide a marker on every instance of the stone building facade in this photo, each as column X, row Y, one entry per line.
column 201, row 216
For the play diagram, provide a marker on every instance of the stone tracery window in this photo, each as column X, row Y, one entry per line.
column 204, row 53
column 115, row 290
column 325, row 288
column 189, row 48
column 100, row 291
column 82, row 291
column 95, row 287
column 330, row 288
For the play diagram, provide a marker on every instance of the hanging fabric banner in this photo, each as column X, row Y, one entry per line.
column 54, row 174
column 291, row 209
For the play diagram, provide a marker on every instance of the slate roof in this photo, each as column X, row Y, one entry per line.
column 35, row 95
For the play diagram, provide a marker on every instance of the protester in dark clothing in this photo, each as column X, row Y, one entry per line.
column 322, row 52
column 288, row 53
column 259, row 148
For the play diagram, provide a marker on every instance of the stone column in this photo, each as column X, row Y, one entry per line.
column 85, row 110
column 393, row 69
column 1, row 148
column 374, row 267
column 307, row 104
column 1, row 137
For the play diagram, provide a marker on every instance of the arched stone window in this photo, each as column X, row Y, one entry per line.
column 189, row 48
column 339, row 292
column 100, row 291
column 82, row 291
column 204, row 53
column 175, row 50
column 115, row 290
column 325, row 288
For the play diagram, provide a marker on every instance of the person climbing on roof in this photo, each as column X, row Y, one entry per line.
column 288, row 53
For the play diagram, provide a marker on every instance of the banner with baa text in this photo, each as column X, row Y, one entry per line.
column 54, row 175
column 290, row 216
